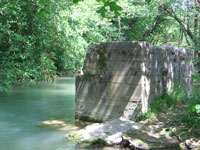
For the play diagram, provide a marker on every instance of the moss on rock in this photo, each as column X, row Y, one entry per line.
column 93, row 142
column 73, row 137
column 101, row 59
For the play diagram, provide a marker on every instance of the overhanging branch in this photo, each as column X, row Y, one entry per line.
column 153, row 27
column 173, row 15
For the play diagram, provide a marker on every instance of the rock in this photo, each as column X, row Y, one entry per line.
column 93, row 142
column 111, row 131
column 193, row 144
column 115, row 147
column 183, row 146
column 63, row 124
column 141, row 140
column 151, row 137
column 58, row 124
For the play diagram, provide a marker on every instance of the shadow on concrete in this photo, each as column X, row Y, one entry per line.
column 122, row 78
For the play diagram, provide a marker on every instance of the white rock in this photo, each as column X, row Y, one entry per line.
column 110, row 131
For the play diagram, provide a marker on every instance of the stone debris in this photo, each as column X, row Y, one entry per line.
column 127, row 134
column 146, row 140
column 193, row 144
column 110, row 131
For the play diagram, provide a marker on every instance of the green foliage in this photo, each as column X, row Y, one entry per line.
column 195, row 109
column 90, row 143
column 148, row 1
column 112, row 5
column 42, row 38
column 74, row 137
column 164, row 103
column 22, row 48
column 192, row 117
column 168, row 100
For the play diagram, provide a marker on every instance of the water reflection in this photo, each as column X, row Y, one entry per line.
column 22, row 108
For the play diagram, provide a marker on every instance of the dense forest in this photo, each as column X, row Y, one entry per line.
column 40, row 39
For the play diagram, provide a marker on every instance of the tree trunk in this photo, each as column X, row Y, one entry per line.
column 196, row 19
column 188, row 15
column 119, row 27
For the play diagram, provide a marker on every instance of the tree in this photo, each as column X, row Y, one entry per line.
column 42, row 38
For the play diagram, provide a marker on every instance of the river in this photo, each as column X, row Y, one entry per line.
column 22, row 108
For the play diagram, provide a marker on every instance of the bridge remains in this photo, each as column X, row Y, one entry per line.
column 122, row 78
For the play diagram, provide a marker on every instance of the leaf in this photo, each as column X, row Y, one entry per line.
column 42, row 12
column 197, row 77
column 42, row 1
column 116, row 13
column 116, row 7
column 148, row 1
column 76, row 1
column 192, row 108
column 197, row 107
column 102, row 11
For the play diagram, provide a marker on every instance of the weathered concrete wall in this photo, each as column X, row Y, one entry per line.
column 123, row 77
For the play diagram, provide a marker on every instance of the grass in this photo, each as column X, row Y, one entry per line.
column 184, row 112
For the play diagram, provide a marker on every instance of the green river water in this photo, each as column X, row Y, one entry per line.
column 22, row 108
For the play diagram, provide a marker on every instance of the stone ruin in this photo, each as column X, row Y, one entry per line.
column 122, row 78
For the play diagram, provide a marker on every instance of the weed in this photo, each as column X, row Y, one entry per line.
column 166, row 102
column 192, row 117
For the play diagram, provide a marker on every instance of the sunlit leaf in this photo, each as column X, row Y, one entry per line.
column 42, row 12
column 197, row 107
column 192, row 108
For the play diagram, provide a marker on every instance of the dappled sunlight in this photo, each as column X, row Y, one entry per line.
column 114, row 136
column 64, row 124
column 59, row 125
column 122, row 78
column 110, row 131
column 145, row 93
column 136, row 127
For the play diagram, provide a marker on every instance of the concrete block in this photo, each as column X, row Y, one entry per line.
column 122, row 78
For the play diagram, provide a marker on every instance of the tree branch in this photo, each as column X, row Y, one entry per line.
column 173, row 15
column 119, row 27
column 153, row 27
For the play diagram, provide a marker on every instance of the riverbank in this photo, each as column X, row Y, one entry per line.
column 126, row 134
column 163, row 132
